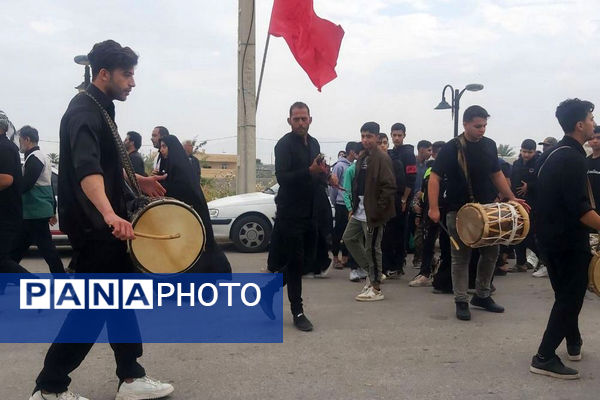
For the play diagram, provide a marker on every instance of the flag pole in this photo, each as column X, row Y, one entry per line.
column 262, row 68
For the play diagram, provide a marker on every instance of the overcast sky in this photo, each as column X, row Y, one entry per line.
column 395, row 58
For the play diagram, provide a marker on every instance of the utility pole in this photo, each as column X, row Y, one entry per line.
column 246, row 126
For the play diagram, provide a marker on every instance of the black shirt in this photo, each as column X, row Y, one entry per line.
column 524, row 172
column 593, row 165
column 138, row 163
column 195, row 168
column 562, row 197
column 482, row 162
column 406, row 156
column 11, row 209
column 31, row 170
column 87, row 147
column 297, row 187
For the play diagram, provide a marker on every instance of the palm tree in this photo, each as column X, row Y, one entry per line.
column 505, row 150
column 53, row 158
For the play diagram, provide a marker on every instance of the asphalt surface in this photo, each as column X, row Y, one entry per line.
column 408, row 346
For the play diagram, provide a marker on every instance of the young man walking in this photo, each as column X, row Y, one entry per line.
column 372, row 192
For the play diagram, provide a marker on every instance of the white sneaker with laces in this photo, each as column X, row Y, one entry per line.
column 371, row 294
column 68, row 395
column 142, row 389
column 420, row 281
column 541, row 273
column 362, row 273
column 354, row 277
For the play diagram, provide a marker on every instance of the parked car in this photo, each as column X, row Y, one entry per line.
column 245, row 219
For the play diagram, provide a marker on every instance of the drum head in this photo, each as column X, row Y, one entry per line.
column 594, row 275
column 469, row 224
column 167, row 217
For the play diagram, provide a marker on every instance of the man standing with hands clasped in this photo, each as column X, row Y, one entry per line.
column 483, row 182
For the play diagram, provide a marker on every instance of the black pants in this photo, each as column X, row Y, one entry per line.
column 568, row 271
column 528, row 243
column 393, row 243
column 8, row 233
column 341, row 220
column 431, row 232
column 63, row 358
column 37, row 231
column 292, row 253
column 442, row 280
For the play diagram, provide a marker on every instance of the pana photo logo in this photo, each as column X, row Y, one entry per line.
column 135, row 294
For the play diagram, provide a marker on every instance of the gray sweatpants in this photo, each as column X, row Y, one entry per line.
column 365, row 246
column 460, row 265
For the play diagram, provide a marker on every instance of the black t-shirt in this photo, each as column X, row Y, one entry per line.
column 593, row 165
column 482, row 161
column 137, row 162
column 11, row 208
column 87, row 147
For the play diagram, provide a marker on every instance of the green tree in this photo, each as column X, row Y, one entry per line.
column 505, row 150
column 53, row 158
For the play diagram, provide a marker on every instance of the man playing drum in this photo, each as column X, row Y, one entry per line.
column 485, row 181
column 563, row 207
column 92, row 213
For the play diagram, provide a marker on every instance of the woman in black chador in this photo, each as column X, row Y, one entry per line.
column 183, row 186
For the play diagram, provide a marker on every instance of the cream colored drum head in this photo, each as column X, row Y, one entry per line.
column 470, row 224
column 170, row 256
column 594, row 275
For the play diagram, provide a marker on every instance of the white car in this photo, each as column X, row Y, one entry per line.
column 245, row 219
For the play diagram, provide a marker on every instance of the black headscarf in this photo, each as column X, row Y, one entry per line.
column 181, row 184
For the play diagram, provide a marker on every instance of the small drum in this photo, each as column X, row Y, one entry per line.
column 170, row 237
column 480, row 225
column 594, row 274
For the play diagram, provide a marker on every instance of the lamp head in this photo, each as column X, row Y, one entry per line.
column 474, row 87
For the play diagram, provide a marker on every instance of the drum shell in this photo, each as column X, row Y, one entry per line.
column 167, row 216
column 480, row 225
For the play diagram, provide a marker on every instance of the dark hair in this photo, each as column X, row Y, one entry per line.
column 572, row 111
column 110, row 55
column 135, row 138
column 529, row 144
column 371, row 127
column 475, row 112
column 30, row 133
column 383, row 136
column 423, row 144
column 299, row 104
column 350, row 146
column 162, row 131
column 437, row 146
column 398, row 126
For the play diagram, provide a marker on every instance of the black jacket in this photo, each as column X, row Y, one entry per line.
column 406, row 155
column 524, row 172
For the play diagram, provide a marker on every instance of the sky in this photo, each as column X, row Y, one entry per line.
column 395, row 58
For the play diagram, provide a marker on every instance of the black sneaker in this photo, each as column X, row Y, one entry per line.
column 462, row 311
column 302, row 323
column 552, row 367
column 574, row 351
column 487, row 304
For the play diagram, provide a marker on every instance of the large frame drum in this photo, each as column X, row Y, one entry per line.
column 480, row 225
column 170, row 237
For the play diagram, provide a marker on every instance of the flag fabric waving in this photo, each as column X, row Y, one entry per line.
column 314, row 42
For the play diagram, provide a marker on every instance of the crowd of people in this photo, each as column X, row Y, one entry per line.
column 389, row 201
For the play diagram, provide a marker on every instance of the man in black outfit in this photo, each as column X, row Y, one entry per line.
column 300, row 174
column 92, row 213
column 133, row 142
column 396, row 233
column 188, row 146
column 564, row 210
column 11, row 212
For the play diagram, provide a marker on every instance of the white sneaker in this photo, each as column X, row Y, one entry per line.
column 68, row 395
column 361, row 273
column 354, row 277
column 420, row 281
column 371, row 294
column 541, row 273
column 142, row 389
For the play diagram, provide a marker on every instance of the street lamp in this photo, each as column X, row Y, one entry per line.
column 456, row 95
column 83, row 60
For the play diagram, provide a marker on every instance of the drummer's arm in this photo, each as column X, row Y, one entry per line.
column 591, row 219
column 93, row 187
column 433, row 194
column 149, row 184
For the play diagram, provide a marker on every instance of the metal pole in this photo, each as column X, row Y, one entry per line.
column 246, row 129
column 455, row 108
column 262, row 68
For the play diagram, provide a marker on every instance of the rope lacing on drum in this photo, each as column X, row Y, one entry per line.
column 514, row 215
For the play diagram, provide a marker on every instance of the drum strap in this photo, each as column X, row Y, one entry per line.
column 462, row 162
column 120, row 148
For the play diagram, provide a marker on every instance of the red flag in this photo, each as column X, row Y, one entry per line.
column 314, row 42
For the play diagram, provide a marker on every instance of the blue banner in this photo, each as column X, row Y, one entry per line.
column 149, row 308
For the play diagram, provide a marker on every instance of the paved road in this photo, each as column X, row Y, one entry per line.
column 408, row 346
